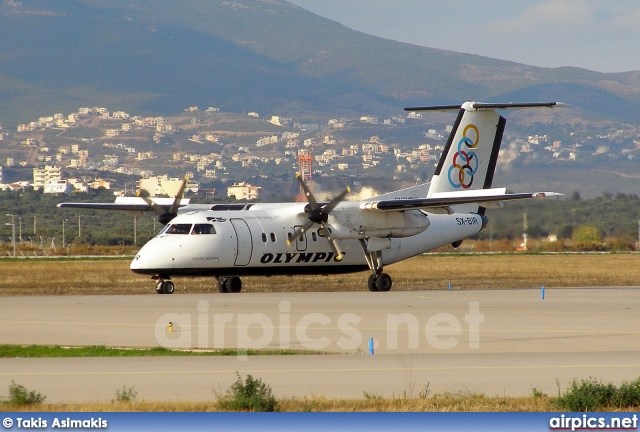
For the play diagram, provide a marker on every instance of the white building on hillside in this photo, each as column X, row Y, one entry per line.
column 243, row 191
column 48, row 174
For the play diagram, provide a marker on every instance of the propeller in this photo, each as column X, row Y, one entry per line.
column 164, row 217
column 319, row 214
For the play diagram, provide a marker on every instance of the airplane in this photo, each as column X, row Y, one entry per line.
column 230, row 241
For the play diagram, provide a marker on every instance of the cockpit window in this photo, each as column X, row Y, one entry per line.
column 203, row 229
column 179, row 229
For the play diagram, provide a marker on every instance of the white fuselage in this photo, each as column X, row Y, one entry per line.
column 254, row 241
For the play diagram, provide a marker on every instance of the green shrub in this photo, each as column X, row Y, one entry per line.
column 19, row 395
column 628, row 395
column 126, row 395
column 592, row 395
column 250, row 395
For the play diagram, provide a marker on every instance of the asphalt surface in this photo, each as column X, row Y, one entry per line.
column 496, row 342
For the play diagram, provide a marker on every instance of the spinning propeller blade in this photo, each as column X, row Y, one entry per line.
column 164, row 217
column 319, row 214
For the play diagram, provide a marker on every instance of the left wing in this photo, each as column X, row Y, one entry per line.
column 441, row 202
column 127, row 204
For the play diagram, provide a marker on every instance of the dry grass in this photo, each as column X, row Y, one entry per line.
column 435, row 271
column 438, row 403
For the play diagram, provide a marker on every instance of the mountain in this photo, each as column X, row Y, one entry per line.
column 160, row 56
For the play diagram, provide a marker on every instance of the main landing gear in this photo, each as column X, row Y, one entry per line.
column 378, row 281
column 231, row 284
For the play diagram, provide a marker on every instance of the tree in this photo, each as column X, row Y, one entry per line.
column 588, row 234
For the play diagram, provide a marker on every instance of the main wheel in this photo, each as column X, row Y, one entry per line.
column 233, row 284
column 159, row 289
column 383, row 282
column 168, row 287
column 371, row 283
column 222, row 286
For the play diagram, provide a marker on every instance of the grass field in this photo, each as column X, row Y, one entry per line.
column 369, row 403
column 44, row 351
column 432, row 271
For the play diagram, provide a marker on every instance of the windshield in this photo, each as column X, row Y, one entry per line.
column 178, row 229
column 204, row 228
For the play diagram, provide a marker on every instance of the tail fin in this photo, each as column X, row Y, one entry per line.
column 469, row 158
column 470, row 155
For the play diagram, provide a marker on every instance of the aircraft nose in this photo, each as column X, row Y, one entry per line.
column 137, row 263
column 144, row 260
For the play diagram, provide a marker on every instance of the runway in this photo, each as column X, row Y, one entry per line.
column 496, row 342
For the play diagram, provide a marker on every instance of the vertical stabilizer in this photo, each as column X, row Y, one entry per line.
column 469, row 158
column 470, row 155
column 468, row 161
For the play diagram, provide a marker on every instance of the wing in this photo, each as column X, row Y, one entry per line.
column 442, row 202
column 136, row 205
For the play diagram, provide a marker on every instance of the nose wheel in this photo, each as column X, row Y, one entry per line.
column 164, row 286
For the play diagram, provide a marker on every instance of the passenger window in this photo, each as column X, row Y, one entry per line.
column 179, row 229
column 264, row 237
column 273, row 237
column 203, row 229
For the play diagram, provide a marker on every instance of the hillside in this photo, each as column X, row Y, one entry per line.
column 160, row 56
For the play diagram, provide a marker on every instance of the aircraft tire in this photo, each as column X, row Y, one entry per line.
column 233, row 284
column 371, row 283
column 383, row 282
column 222, row 286
column 159, row 288
column 168, row 287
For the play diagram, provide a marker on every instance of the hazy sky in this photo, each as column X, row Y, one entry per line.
column 601, row 35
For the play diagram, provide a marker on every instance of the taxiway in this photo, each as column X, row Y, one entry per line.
column 496, row 342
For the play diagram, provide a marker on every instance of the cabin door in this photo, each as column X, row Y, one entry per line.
column 244, row 245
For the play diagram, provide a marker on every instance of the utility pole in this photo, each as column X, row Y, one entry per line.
column 13, row 232
column 524, row 231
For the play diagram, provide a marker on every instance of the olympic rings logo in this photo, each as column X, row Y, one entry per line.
column 465, row 161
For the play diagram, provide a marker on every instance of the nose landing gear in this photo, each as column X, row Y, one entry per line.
column 164, row 286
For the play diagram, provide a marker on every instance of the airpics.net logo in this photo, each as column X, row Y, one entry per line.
column 285, row 329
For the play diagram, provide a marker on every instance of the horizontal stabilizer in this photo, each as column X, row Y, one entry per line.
column 452, row 199
column 479, row 106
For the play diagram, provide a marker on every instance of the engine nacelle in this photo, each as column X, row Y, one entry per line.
column 390, row 224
